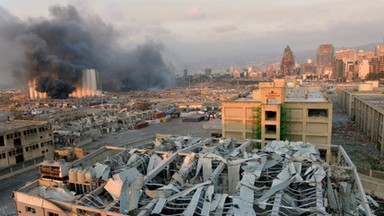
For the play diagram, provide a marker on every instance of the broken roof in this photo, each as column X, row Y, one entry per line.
column 191, row 176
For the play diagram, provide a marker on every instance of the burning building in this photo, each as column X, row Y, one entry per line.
column 89, row 85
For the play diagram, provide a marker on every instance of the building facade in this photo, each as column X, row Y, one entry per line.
column 24, row 143
column 325, row 57
column 282, row 110
column 376, row 64
column 364, row 105
column 288, row 62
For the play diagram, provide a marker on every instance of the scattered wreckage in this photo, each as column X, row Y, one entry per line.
column 191, row 176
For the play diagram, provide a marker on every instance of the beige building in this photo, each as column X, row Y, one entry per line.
column 365, row 106
column 283, row 110
column 363, row 69
column 24, row 143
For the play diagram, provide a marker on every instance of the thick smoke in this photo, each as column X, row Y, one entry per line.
column 55, row 88
column 60, row 48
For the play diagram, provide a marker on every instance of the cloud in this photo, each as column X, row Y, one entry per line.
column 224, row 28
column 196, row 13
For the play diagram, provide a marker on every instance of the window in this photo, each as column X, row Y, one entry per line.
column 317, row 113
column 2, row 143
column 3, row 155
column 52, row 214
column 270, row 129
column 270, row 115
column 30, row 209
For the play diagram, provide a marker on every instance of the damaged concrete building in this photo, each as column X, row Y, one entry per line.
column 191, row 176
column 280, row 110
column 23, row 144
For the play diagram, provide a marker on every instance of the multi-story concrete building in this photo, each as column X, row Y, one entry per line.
column 325, row 56
column 376, row 64
column 364, row 105
column 346, row 54
column 24, row 143
column 288, row 62
column 280, row 109
column 379, row 50
column 363, row 69
column 362, row 55
column 308, row 68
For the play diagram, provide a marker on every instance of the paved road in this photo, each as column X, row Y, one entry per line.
column 7, row 205
column 174, row 127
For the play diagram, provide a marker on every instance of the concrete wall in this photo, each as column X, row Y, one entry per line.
column 370, row 120
column 237, row 118
column 306, row 128
column 373, row 181
column 26, row 143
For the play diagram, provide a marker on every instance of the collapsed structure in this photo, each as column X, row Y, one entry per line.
column 89, row 85
column 191, row 176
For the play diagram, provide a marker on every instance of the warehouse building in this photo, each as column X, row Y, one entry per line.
column 191, row 176
column 280, row 110
column 24, row 143
column 365, row 106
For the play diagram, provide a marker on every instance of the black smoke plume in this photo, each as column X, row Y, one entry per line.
column 55, row 88
column 59, row 48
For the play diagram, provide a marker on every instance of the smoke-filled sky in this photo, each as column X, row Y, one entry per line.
column 56, row 48
column 196, row 31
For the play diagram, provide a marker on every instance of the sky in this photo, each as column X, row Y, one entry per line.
column 204, row 30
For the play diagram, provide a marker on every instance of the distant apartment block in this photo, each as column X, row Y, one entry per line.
column 346, row 55
column 325, row 57
column 376, row 64
column 284, row 110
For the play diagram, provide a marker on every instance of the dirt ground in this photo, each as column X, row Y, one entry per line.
column 357, row 144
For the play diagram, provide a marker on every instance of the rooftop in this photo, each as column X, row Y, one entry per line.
column 16, row 124
column 304, row 94
column 376, row 101
column 298, row 94
column 191, row 176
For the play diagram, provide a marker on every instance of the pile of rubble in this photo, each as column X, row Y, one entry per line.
column 191, row 176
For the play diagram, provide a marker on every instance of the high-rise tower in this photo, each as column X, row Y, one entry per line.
column 287, row 62
column 325, row 57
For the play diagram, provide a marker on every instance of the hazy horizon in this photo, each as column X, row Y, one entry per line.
column 202, row 31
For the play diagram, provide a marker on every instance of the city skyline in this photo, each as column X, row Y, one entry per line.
column 198, row 30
